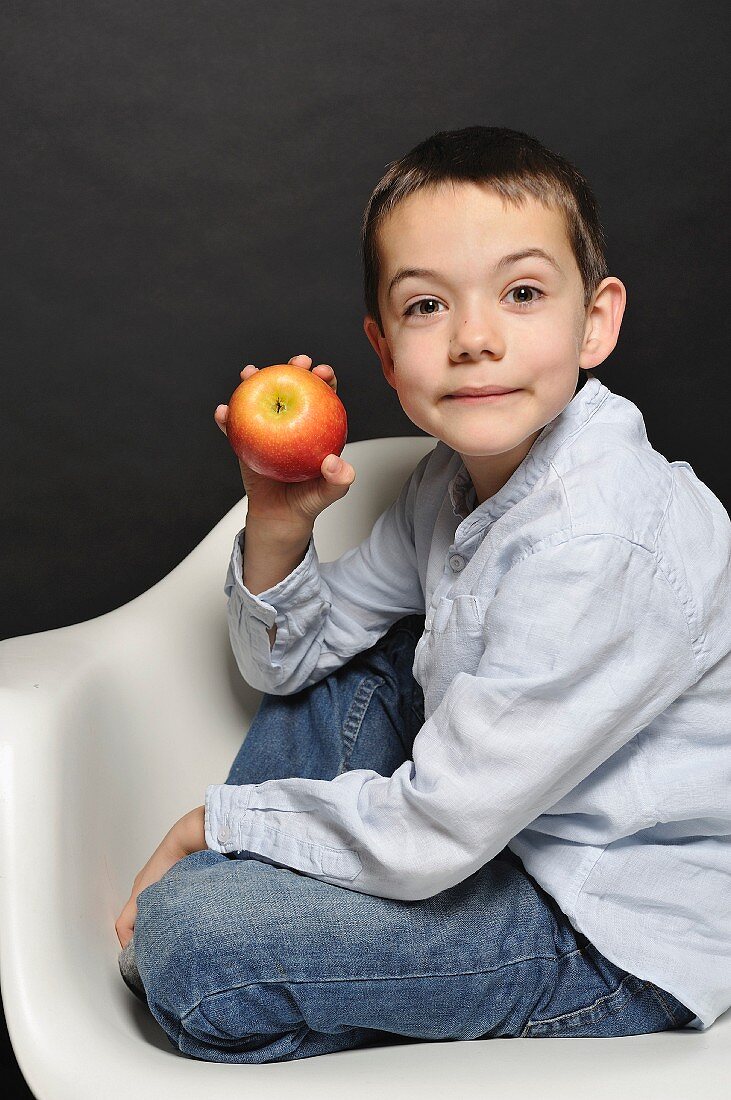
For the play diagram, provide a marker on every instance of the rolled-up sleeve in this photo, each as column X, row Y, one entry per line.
column 328, row 612
column 586, row 642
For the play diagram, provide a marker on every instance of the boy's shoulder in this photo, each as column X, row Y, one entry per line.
column 594, row 472
column 614, row 481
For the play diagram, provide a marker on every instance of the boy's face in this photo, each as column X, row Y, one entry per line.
column 464, row 326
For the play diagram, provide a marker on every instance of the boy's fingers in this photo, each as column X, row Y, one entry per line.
column 220, row 416
column 300, row 360
column 325, row 371
column 124, row 925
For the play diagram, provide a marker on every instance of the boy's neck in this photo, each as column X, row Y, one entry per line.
column 490, row 473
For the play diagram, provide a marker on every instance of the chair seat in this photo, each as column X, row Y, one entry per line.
column 110, row 731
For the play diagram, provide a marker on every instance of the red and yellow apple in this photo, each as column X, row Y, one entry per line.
column 284, row 420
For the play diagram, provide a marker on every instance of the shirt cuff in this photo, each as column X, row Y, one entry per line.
column 296, row 589
column 220, row 809
column 230, row 826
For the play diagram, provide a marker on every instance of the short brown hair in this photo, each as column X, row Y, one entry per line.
column 514, row 165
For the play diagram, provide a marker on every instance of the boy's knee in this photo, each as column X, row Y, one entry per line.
column 172, row 915
column 172, row 901
column 205, row 922
column 245, row 1017
column 210, row 948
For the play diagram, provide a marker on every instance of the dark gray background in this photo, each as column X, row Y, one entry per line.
column 182, row 187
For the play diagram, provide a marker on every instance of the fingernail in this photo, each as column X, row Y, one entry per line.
column 332, row 464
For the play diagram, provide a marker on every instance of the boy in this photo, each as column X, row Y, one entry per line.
column 485, row 793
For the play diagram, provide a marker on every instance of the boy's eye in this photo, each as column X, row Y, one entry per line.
column 535, row 293
column 422, row 301
column 526, row 296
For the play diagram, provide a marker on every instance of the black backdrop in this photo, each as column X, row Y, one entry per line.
column 182, row 186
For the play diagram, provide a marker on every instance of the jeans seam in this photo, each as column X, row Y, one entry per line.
column 656, row 993
column 578, row 1011
column 569, row 954
column 356, row 714
column 369, row 978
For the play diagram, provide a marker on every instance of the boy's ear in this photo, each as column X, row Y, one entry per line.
column 603, row 320
column 380, row 344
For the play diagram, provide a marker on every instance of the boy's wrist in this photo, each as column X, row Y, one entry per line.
column 279, row 534
column 267, row 556
column 188, row 834
column 195, row 839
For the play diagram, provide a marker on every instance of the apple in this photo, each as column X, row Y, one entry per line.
column 284, row 420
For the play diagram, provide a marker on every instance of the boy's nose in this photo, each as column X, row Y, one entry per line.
column 476, row 334
column 474, row 341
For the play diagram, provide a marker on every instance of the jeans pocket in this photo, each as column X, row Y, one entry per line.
column 632, row 1008
column 354, row 718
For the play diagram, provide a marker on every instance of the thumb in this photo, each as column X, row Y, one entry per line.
column 337, row 472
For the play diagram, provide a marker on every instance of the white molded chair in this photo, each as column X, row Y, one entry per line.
column 110, row 731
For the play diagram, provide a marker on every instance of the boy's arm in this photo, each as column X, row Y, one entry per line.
column 324, row 613
column 571, row 671
column 269, row 554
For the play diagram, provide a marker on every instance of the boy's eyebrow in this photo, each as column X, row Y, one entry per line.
column 505, row 261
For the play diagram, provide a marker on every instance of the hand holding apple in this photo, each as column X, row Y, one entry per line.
column 304, row 410
column 283, row 421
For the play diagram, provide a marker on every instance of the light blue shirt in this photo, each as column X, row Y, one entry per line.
column 576, row 672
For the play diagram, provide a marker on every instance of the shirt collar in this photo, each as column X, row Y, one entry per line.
column 570, row 420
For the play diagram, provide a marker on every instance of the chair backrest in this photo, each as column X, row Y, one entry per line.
column 189, row 601
column 381, row 467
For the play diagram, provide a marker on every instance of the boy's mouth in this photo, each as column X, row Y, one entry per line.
column 490, row 393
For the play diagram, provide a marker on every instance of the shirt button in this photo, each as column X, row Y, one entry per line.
column 456, row 562
column 224, row 835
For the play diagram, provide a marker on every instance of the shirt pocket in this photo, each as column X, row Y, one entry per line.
column 455, row 615
column 451, row 643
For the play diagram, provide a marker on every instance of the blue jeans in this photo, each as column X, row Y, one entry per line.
column 242, row 961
